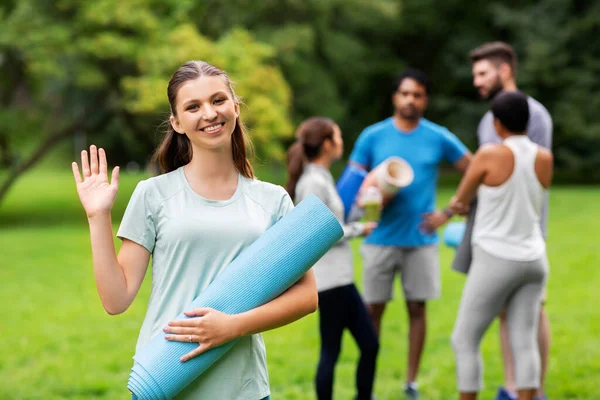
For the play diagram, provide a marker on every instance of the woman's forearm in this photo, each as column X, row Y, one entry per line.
column 110, row 279
column 298, row 301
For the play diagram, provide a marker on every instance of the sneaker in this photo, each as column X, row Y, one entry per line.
column 411, row 392
column 504, row 394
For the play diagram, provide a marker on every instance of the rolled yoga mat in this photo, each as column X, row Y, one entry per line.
column 463, row 256
column 260, row 273
column 348, row 186
column 453, row 234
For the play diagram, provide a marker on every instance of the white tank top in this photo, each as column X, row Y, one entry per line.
column 507, row 222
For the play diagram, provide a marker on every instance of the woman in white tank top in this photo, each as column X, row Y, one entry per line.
column 509, row 265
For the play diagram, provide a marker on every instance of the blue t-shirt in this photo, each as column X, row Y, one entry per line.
column 423, row 148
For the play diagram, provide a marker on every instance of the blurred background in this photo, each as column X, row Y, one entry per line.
column 75, row 72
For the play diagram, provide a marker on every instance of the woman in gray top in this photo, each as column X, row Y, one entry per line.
column 319, row 143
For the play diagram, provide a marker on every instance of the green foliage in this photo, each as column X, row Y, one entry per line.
column 294, row 59
column 125, row 52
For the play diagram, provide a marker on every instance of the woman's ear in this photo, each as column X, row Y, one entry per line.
column 175, row 124
column 236, row 106
column 327, row 145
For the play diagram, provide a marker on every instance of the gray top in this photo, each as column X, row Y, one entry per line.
column 335, row 268
column 539, row 130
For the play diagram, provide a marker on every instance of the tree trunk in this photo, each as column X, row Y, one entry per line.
column 44, row 148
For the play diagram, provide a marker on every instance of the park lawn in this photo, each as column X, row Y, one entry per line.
column 58, row 343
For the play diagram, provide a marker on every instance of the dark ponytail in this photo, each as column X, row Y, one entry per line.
column 310, row 136
column 295, row 166
column 174, row 151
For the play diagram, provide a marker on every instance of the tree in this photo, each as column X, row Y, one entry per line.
column 102, row 67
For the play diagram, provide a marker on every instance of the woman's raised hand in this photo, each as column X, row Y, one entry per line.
column 96, row 194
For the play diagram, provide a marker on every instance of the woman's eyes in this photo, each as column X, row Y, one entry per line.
column 217, row 102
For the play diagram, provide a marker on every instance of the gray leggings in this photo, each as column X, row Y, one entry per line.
column 492, row 284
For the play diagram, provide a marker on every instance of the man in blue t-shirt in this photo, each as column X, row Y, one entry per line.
column 405, row 241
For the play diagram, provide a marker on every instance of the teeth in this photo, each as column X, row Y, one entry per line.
column 212, row 128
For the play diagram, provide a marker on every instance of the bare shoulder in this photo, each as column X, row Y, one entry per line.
column 544, row 155
column 493, row 151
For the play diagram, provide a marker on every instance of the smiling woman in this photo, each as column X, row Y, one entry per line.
column 205, row 113
column 193, row 220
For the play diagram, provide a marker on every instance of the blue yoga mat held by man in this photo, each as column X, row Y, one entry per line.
column 193, row 220
column 405, row 241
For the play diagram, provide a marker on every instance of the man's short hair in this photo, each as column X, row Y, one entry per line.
column 415, row 74
column 512, row 110
column 497, row 53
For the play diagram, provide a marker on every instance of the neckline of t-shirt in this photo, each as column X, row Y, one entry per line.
column 416, row 128
column 210, row 202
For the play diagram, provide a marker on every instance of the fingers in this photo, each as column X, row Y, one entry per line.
column 102, row 161
column 189, row 322
column 177, row 330
column 85, row 164
column 94, row 159
column 76, row 173
column 114, row 180
column 198, row 312
column 197, row 351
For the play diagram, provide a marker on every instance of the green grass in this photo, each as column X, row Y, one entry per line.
column 58, row 343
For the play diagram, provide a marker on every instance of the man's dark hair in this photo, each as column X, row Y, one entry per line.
column 414, row 74
column 497, row 53
column 512, row 110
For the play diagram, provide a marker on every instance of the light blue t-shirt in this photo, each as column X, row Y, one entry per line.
column 424, row 148
column 192, row 239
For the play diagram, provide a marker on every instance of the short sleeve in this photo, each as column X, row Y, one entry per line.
column 453, row 148
column 285, row 206
column 540, row 129
column 138, row 223
column 362, row 151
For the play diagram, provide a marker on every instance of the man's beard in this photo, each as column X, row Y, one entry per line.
column 494, row 90
column 409, row 113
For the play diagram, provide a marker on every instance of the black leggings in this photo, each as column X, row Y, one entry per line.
column 340, row 308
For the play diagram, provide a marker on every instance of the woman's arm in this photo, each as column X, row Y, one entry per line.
column 118, row 279
column 470, row 181
column 214, row 328
column 298, row 301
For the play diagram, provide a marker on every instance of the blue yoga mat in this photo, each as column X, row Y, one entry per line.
column 260, row 273
column 453, row 234
column 348, row 185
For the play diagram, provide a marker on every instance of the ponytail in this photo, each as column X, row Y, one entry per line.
column 242, row 150
column 310, row 136
column 295, row 166
column 175, row 150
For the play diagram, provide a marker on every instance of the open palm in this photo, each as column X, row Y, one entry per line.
column 96, row 194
